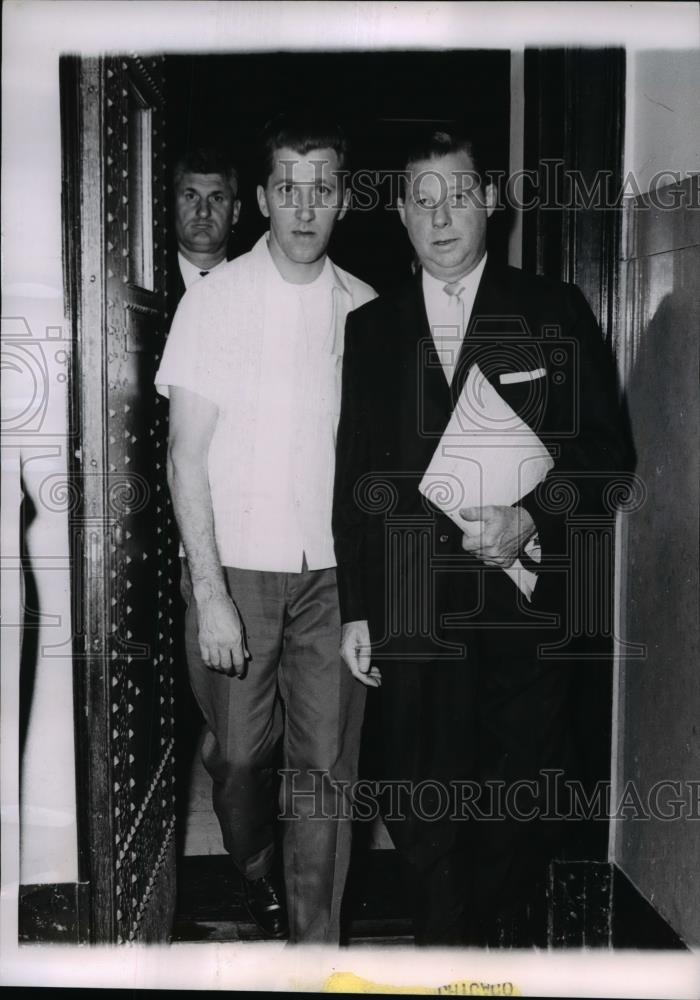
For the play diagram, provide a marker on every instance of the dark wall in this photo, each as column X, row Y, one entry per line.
column 379, row 97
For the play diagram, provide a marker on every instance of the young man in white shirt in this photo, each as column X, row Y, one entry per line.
column 253, row 368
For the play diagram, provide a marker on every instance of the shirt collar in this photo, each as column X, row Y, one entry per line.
column 190, row 272
column 433, row 287
column 338, row 280
column 330, row 275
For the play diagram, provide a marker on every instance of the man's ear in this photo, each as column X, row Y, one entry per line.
column 236, row 212
column 401, row 205
column 491, row 196
column 347, row 195
column 262, row 201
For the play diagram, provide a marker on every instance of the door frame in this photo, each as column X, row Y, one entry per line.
column 95, row 529
column 574, row 122
column 583, row 248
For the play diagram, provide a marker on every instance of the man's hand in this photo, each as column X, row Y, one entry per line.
column 356, row 650
column 496, row 535
column 221, row 635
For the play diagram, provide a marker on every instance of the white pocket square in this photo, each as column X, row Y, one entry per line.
column 508, row 378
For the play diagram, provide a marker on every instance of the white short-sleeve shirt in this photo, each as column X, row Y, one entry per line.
column 268, row 353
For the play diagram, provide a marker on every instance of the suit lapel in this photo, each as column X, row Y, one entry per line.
column 496, row 339
column 482, row 334
column 425, row 387
column 500, row 342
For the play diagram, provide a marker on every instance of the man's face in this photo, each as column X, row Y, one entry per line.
column 206, row 208
column 445, row 214
column 303, row 199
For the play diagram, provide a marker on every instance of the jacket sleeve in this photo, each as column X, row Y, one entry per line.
column 352, row 462
column 589, row 433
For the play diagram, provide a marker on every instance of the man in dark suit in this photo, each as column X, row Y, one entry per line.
column 206, row 210
column 474, row 676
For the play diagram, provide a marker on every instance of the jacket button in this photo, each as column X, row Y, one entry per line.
column 444, row 538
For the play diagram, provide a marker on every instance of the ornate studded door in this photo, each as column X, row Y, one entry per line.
column 124, row 550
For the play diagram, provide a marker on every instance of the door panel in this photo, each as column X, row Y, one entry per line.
column 573, row 142
column 124, row 540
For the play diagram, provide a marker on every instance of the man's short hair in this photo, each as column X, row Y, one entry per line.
column 206, row 160
column 436, row 143
column 301, row 133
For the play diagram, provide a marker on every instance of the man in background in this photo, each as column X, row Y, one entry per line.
column 252, row 366
column 206, row 210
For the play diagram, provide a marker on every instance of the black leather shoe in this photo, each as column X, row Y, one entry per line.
column 264, row 903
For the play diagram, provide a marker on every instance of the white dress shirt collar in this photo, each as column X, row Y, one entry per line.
column 435, row 295
column 449, row 315
column 190, row 272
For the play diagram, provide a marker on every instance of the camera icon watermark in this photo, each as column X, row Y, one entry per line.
column 31, row 363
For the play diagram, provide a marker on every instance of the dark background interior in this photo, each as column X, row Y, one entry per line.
column 378, row 97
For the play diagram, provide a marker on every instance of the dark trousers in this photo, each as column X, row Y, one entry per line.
column 470, row 738
column 296, row 688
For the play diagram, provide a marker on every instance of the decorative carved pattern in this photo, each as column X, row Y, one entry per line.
column 143, row 548
column 143, row 310
column 150, row 71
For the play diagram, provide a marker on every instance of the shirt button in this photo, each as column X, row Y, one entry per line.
column 444, row 538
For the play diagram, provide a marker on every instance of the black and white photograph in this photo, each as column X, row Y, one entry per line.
column 350, row 497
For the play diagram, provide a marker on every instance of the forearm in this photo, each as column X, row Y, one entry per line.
column 189, row 488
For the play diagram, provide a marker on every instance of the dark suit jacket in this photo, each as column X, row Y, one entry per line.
column 401, row 565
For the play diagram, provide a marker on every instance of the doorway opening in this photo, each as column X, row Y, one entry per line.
column 223, row 101
column 139, row 743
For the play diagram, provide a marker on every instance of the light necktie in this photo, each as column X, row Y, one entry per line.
column 453, row 289
column 448, row 338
